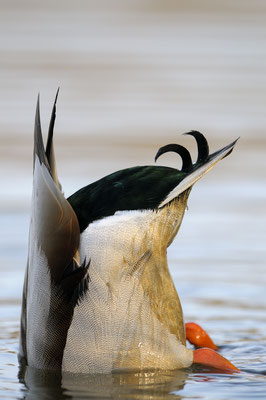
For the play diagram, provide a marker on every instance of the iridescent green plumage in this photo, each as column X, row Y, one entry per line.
column 144, row 187
column 136, row 188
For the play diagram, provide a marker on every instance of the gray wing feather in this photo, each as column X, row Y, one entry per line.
column 53, row 246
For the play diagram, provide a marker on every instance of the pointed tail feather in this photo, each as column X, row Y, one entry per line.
column 202, row 166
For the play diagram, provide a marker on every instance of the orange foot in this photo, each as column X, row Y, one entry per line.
column 212, row 359
column 198, row 337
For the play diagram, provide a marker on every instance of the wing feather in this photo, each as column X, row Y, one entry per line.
column 56, row 224
column 50, row 294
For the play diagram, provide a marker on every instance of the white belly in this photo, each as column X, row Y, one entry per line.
column 114, row 326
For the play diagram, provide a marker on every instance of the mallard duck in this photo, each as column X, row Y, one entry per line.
column 98, row 295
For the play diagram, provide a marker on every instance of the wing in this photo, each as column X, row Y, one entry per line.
column 147, row 187
column 54, row 280
column 55, row 222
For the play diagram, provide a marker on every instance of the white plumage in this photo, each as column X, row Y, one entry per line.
column 117, row 324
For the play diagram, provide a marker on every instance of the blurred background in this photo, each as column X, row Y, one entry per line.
column 133, row 76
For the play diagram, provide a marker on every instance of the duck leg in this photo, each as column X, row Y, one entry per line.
column 206, row 354
column 213, row 359
column 197, row 336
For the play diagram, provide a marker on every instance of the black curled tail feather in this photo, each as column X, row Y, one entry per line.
column 204, row 163
column 203, row 147
column 177, row 148
column 203, row 151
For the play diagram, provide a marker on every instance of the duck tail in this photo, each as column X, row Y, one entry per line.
column 194, row 171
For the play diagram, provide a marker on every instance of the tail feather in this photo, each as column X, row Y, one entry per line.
column 203, row 147
column 201, row 167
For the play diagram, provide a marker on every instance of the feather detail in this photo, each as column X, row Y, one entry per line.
column 50, row 145
column 177, row 148
column 199, row 169
column 53, row 244
column 131, row 317
column 203, row 147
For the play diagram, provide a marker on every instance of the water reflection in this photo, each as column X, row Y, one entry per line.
column 134, row 385
column 195, row 382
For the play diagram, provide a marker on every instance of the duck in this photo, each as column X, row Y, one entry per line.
column 98, row 296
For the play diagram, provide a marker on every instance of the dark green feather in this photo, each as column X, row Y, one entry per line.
column 136, row 188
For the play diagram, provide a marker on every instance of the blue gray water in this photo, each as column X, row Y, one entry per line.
column 134, row 76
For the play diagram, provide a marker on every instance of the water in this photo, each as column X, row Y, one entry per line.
column 134, row 75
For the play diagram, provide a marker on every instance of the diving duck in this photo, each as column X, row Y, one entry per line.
column 98, row 295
